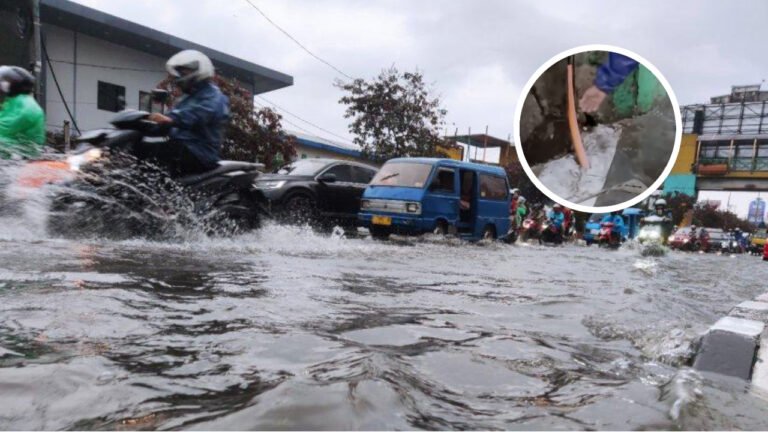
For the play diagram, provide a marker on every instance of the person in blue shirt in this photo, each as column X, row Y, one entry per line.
column 196, row 123
column 556, row 216
column 616, row 219
column 610, row 75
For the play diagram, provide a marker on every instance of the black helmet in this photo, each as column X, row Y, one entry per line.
column 15, row 80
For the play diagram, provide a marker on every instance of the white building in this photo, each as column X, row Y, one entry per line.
column 103, row 63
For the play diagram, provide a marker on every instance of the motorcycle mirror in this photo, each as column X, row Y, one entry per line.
column 160, row 95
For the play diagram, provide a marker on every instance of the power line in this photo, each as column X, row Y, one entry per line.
column 285, row 120
column 305, row 121
column 56, row 81
column 296, row 41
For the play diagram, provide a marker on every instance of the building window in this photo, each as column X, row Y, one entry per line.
column 715, row 149
column 111, row 97
column 145, row 101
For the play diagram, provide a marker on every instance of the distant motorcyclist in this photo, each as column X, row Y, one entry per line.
column 568, row 221
column 22, row 121
column 617, row 221
column 521, row 211
column 740, row 238
column 557, row 217
column 196, row 123
column 513, row 202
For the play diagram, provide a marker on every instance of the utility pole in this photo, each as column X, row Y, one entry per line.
column 36, row 55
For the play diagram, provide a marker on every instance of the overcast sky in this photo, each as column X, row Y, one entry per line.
column 478, row 54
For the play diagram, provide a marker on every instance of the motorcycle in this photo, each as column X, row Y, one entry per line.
column 652, row 233
column 118, row 195
column 607, row 237
column 531, row 228
column 551, row 233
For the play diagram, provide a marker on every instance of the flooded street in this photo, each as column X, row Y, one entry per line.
column 286, row 329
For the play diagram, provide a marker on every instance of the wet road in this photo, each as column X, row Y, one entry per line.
column 288, row 329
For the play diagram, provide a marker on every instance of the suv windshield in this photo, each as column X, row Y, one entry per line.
column 305, row 167
column 403, row 174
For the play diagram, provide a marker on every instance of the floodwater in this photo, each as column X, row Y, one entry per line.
column 565, row 177
column 288, row 329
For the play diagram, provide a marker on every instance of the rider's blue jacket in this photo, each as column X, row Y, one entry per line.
column 613, row 72
column 199, row 119
column 618, row 221
column 556, row 218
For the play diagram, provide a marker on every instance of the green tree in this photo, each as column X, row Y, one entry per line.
column 251, row 135
column 393, row 115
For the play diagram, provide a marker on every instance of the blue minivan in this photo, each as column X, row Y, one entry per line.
column 426, row 195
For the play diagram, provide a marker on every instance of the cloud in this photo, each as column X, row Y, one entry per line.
column 478, row 54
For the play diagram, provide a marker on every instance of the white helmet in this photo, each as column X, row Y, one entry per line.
column 514, row 191
column 660, row 202
column 190, row 67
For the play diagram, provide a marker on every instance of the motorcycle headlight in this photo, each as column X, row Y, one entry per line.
column 269, row 184
column 685, row 240
column 76, row 161
column 671, row 238
column 654, row 234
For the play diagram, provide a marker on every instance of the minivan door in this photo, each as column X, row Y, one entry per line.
column 442, row 197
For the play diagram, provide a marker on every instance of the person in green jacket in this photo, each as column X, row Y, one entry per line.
column 22, row 121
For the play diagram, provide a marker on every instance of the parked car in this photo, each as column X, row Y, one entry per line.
column 423, row 195
column 317, row 191
column 757, row 242
column 683, row 240
column 765, row 252
column 720, row 240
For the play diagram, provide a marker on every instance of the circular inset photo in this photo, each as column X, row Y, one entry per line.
column 597, row 128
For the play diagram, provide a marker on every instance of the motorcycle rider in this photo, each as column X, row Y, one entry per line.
column 22, row 120
column 740, row 238
column 556, row 216
column 568, row 221
column 196, row 123
column 617, row 221
column 521, row 211
column 514, row 201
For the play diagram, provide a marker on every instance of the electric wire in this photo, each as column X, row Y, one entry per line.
column 296, row 41
column 345, row 140
column 58, row 87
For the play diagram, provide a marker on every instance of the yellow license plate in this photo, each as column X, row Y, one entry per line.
column 381, row 220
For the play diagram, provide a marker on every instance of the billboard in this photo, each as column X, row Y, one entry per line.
column 756, row 213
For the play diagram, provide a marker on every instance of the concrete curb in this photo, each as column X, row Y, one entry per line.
column 732, row 345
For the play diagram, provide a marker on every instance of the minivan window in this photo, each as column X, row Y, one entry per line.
column 444, row 181
column 304, row 167
column 492, row 187
column 403, row 174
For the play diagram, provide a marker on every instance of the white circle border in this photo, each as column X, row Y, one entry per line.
column 675, row 108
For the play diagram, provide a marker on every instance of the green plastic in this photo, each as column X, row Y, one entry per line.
column 637, row 94
column 649, row 88
column 22, row 127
